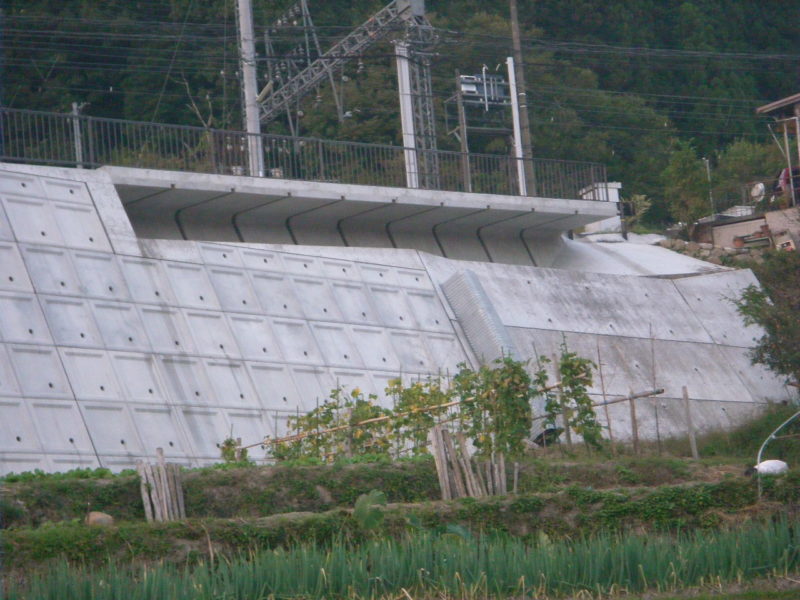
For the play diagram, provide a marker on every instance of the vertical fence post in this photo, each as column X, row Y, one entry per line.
column 634, row 425
column 689, row 424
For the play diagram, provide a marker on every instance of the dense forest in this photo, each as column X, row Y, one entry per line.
column 661, row 91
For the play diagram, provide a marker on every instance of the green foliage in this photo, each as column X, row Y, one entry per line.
column 367, row 512
column 775, row 307
column 232, row 455
column 427, row 564
column 685, row 184
column 412, row 410
column 495, row 406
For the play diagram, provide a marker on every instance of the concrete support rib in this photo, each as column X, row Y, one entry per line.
column 180, row 211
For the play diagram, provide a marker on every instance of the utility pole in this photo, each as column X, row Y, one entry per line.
column 247, row 62
column 462, row 135
column 524, row 120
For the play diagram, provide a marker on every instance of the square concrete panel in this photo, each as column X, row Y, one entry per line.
column 66, row 191
column 428, row 311
column 296, row 341
column 120, row 326
column 21, row 320
column 254, row 337
column 146, row 281
column 91, row 375
column 61, row 427
column 159, row 427
column 167, row 330
column 13, row 274
column 32, row 220
column 410, row 349
column 316, row 299
column 111, row 429
column 337, row 269
column 231, row 385
column 51, row 270
column 192, row 286
column 392, row 307
column 354, row 303
column 17, row 431
column 251, row 427
column 207, row 430
column 349, row 380
column 39, row 372
column 336, row 345
column 100, row 276
column 375, row 348
column 276, row 295
column 138, row 377
column 211, row 334
column 274, row 385
column 71, row 322
column 234, row 290
column 185, row 381
column 445, row 352
column 314, row 385
column 81, row 227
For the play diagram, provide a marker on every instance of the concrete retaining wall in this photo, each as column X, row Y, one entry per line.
column 111, row 345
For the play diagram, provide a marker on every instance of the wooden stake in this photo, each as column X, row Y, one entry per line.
column 145, row 492
column 603, row 390
column 441, row 465
column 155, row 497
column 634, row 424
column 455, row 469
column 166, row 500
column 516, row 477
column 687, row 407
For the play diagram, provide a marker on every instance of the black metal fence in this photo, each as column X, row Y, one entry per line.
column 66, row 139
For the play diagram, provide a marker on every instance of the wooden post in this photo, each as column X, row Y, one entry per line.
column 458, row 480
column 438, row 458
column 155, row 496
column 634, row 425
column 161, row 475
column 145, row 492
column 690, row 426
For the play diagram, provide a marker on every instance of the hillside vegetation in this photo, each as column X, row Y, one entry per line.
column 648, row 88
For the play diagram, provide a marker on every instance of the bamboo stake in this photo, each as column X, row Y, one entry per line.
column 687, row 407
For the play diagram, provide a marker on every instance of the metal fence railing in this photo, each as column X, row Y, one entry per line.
column 66, row 139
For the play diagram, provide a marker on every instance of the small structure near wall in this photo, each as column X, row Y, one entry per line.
column 786, row 125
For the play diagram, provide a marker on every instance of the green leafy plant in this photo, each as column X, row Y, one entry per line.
column 367, row 511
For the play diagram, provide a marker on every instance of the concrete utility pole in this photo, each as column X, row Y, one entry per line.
column 462, row 135
column 522, row 98
column 247, row 62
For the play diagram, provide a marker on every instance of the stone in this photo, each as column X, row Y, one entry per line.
column 692, row 246
column 705, row 246
column 99, row 519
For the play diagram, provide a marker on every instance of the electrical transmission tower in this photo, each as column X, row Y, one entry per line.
column 297, row 75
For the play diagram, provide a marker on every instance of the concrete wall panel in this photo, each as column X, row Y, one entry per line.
column 39, row 372
column 296, row 341
column 112, row 430
column 138, row 377
column 275, row 386
column 51, row 270
column 91, row 375
column 71, row 322
column 99, row 275
column 17, row 431
column 211, row 334
column 32, row 220
column 22, row 320
column 8, row 381
column 80, row 227
column 13, row 274
column 231, row 385
column 147, row 281
column 120, row 326
column 234, row 291
column 61, row 427
column 255, row 337
column 167, row 330
column 160, row 427
column 5, row 227
column 276, row 295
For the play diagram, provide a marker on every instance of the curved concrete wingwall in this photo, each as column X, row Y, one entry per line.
column 112, row 345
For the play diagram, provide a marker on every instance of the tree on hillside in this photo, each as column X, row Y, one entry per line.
column 775, row 306
column 686, row 184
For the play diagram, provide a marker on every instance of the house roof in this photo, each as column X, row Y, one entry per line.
column 778, row 104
